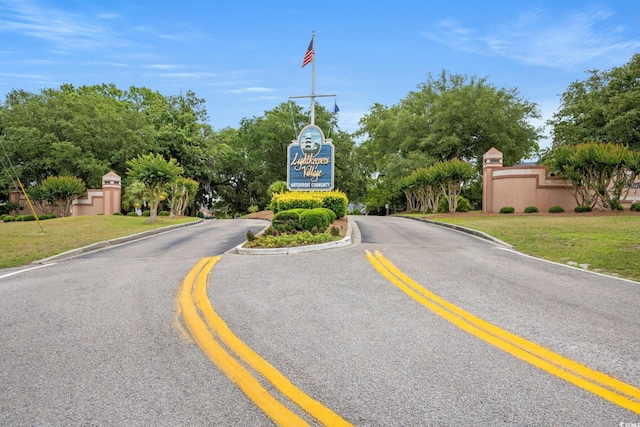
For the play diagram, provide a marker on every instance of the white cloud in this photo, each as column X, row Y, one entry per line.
column 192, row 75
column 252, row 90
column 535, row 37
column 65, row 31
column 164, row 66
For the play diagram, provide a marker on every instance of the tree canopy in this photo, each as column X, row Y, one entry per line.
column 62, row 191
column 90, row 130
column 155, row 173
column 255, row 156
column 605, row 107
column 448, row 117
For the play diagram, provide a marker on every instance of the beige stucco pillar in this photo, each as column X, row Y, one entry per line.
column 111, row 190
column 491, row 160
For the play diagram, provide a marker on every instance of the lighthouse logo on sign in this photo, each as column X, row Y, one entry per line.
column 310, row 161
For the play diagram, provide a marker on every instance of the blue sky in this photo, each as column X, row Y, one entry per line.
column 244, row 57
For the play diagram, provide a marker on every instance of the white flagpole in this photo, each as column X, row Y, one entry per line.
column 313, row 79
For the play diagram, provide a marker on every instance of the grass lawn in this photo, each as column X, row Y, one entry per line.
column 607, row 242
column 25, row 242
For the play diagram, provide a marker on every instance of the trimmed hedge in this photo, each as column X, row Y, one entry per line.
column 507, row 210
column 314, row 220
column 635, row 206
column 292, row 220
column 531, row 209
column 335, row 200
column 20, row 218
column 556, row 209
column 582, row 209
column 287, row 221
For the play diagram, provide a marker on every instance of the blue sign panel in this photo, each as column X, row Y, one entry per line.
column 310, row 161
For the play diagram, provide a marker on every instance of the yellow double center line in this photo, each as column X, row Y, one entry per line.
column 600, row 384
column 195, row 307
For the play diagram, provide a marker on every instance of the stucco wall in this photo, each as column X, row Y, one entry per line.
column 97, row 201
column 523, row 186
column 91, row 204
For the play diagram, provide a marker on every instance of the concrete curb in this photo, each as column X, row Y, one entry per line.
column 113, row 242
column 466, row 230
column 345, row 241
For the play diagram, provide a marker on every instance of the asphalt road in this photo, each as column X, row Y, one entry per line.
column 96, row 340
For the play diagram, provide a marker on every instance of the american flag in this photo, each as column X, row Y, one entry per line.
column 308, row 57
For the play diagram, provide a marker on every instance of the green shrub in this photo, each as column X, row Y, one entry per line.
column 507, row 210
column 253, row 209
column 132, row 214
column 556, row 209
column 287, row 221
column 355, row 211
column 334, row 200
column 335, row 231
column 314, row 218
column 331, row 215
column 3, row 216
column 531, row 209
column 270, row 231
column 118, row 213
column 250, row 236
column 582, row 209
column 164, row 213
column 463, row 205
column 617, row 207
column 9, row 218
column 635, row 206
column 337, row 202
column 146, row 213
column 277, row 187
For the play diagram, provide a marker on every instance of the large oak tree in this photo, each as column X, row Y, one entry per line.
column 605, row 107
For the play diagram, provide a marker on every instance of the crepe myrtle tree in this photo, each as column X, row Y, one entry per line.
column 452, row 176
column 600, row 174
column 62, row 190
column 182, row 191
column 155, row 173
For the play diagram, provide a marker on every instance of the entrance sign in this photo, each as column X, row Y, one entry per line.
column 310, row 160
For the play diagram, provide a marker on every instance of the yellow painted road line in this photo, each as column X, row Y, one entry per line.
column 280, row 414
column 534, row 354
column 514, row 339
column 314, row 408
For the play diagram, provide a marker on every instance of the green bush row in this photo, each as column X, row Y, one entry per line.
column 530, row 209
column 315, row 220
column 11, row 218
column 334, row 200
